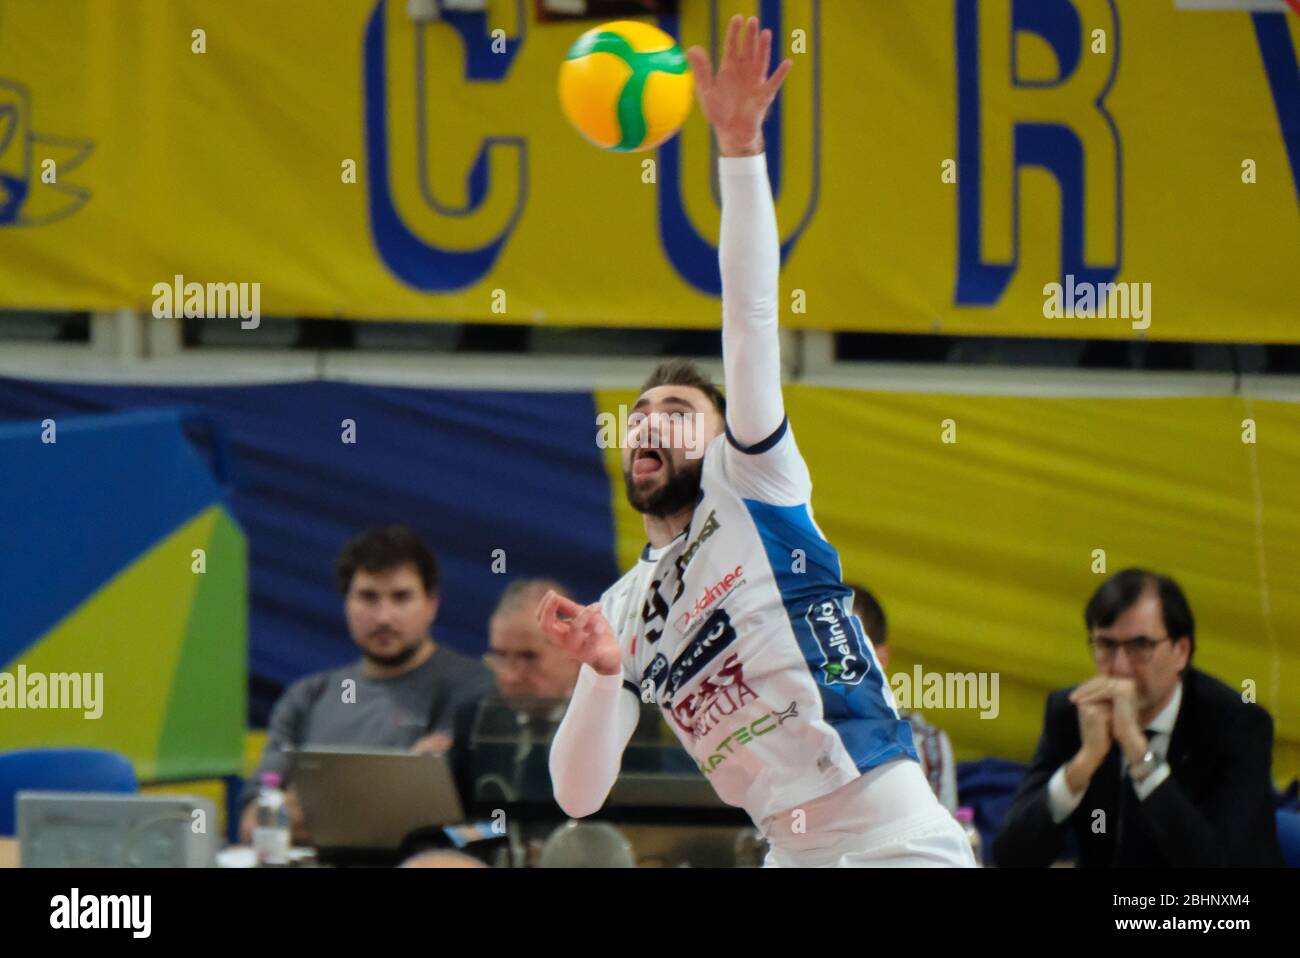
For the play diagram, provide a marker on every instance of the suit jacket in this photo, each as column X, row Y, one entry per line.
column 1216, row 808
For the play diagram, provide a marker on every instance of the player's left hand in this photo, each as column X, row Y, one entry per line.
column 581, row 631
column 736, row 99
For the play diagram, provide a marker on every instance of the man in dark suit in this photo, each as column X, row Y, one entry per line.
column 1150, row 763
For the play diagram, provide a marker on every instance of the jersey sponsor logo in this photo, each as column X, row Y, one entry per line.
column 718, row 696
column 655, row 611
column 843, row 659
column 711, row 525
column 653, row 677
column 762, row 725
column 715, row 635
column 715, row 593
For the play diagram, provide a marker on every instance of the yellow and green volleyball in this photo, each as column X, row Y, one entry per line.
column 626, row 86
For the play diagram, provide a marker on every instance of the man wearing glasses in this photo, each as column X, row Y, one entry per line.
column 1150, row 763
column 534, row 680
column 527, row 666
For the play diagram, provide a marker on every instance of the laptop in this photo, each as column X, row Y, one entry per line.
column 373, row 798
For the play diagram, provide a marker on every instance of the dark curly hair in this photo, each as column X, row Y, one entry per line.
column 382, row 548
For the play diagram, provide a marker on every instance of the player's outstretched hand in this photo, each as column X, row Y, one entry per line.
column 736, row 99
column 581, row 631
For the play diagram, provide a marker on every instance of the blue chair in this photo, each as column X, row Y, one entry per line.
column 1288, row 836
column 59, row 770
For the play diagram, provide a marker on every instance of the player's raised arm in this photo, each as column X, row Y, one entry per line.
column 735, row 101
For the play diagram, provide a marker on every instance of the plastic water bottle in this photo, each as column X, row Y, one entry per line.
column 966, row 816
column 271, row 832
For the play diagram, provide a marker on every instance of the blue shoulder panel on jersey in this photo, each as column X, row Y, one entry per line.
column 832, row 640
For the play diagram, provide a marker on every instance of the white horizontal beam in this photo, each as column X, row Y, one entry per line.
column 75, row 362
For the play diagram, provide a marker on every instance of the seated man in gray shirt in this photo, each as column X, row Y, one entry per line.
column 405, row 689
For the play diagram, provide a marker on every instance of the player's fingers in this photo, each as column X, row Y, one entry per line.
column 750, row 40
column 543, row 607
column 762, row 54
column 731, row 50
column 559, row 633
column 566, row 608
column 554, row 615
column 546, row 608
column 774, row 82
column 702, row 67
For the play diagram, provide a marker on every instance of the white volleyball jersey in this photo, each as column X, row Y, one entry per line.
column 742, row 632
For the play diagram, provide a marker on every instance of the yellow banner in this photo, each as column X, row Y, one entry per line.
column 1108, row 168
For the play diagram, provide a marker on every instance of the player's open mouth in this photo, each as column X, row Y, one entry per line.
column 646, row 462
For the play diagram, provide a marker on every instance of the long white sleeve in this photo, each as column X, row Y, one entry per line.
column 587, row 751
column 749, row 254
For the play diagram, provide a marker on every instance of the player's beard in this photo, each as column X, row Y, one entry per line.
column 678, row 493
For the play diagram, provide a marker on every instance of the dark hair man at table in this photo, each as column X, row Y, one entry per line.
column 405, row 689
column 1150, row 763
